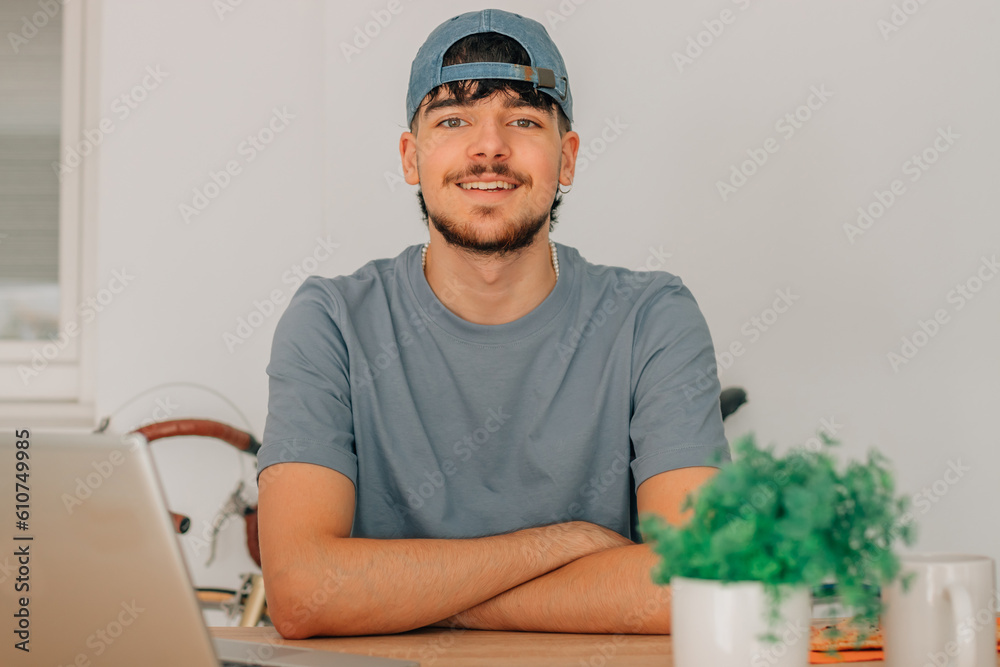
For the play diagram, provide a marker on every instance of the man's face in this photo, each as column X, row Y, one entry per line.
column 458, row 148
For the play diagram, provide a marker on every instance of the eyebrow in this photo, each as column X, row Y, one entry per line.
column 451, row 102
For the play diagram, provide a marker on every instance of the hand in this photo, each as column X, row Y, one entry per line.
column 576, row 539
column 603, row 538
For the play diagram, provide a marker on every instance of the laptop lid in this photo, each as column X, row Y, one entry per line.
column 91, row 572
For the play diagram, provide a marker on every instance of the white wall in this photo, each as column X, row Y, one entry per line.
column 193, row 280
column 329, row 174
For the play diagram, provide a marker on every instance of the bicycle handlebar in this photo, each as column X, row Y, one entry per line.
column 212, row 429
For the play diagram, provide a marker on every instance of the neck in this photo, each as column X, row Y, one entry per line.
column 490, row 290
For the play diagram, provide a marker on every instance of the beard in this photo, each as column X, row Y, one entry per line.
column 515, row 235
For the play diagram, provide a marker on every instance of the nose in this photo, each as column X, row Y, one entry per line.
column 489, row 141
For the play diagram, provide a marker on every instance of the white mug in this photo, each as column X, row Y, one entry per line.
column 947, row 618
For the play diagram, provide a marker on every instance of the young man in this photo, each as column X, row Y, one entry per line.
column 463, row 435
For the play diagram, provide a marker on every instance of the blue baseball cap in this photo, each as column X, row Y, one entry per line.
column 547, row 70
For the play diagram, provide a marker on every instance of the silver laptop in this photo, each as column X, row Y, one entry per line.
column 91, row 572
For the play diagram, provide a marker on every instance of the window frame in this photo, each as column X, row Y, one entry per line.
column 62, row 395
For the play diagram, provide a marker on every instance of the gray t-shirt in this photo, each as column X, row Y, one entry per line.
column 453, row 429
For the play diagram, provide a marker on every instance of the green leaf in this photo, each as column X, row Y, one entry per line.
column 793, row 519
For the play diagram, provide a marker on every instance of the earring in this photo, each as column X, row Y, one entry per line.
column 567, row 191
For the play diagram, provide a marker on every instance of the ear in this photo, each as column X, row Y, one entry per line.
column 570, row 147
column 408, row 155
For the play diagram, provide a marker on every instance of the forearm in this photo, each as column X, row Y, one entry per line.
column 354, row 586
column 606, row 592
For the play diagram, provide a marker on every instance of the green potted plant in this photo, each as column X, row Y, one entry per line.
column 765, row 532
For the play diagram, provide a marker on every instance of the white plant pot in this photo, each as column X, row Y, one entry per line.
column 717, row 624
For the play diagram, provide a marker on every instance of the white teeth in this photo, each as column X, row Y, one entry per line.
column 481, row 185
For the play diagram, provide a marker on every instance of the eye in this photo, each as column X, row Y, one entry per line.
column 447, row 122
column 526, row 120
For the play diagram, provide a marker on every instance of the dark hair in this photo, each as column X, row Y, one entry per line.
column 492, row 47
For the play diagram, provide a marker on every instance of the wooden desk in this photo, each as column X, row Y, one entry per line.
column 441, row 647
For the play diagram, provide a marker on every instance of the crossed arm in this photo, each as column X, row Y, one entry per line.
column 570, row 577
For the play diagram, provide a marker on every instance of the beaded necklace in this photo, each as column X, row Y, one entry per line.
column 552, row 245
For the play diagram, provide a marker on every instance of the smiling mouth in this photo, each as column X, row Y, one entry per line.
column 488, row 186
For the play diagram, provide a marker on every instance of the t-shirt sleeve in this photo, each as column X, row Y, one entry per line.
column 309, row 416
column 676, row 419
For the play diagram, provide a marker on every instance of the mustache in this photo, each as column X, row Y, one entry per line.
column 499, row 169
